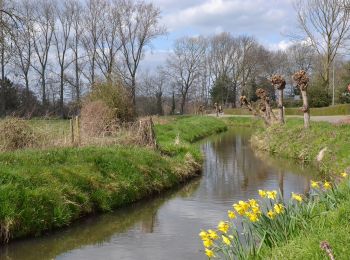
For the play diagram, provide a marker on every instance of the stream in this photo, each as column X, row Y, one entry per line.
column 167, row 226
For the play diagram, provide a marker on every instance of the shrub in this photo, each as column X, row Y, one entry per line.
column 97, row 118
column 15, row 134
column 116, row 97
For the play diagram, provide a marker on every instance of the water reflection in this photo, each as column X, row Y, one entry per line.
column 167, row 227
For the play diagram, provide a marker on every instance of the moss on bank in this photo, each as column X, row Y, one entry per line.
column 48, row 189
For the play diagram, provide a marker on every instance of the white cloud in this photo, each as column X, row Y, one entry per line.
column 282, row 45
column 257, row 17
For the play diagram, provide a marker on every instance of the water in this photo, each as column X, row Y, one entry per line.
column 167, row 227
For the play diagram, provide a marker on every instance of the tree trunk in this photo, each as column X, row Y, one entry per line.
column 305, row 109
column 183, row 102
column 61, row 94
column 280, row 106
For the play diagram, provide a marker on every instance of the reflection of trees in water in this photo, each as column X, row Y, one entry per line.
column 234, row 168
column 95, row 230
column 230, row 160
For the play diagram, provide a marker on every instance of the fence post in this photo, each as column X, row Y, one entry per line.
column 77, row 126
column 71, row 131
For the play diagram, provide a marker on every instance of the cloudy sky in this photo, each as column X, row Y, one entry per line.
column 268, row 20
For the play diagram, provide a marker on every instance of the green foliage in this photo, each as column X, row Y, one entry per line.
column 221, row 92
column 318, row 95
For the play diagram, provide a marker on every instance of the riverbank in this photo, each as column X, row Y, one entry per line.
column 43, row 190
column 294, row 142
column 330, row 224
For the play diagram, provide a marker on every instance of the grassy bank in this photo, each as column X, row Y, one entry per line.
column 322, row 111
column 42, row 190
column 329, row 223
column 293, row 141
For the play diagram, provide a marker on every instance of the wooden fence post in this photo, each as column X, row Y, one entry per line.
column 77, row 126
column 71, row 131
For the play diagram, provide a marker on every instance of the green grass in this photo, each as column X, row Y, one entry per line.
column 322, row 111
column 237, row 111
column 42, row 190
column 331, row 225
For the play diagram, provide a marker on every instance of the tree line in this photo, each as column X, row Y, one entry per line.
column 61, row 49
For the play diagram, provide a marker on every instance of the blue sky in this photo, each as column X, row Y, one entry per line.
column 269, row 21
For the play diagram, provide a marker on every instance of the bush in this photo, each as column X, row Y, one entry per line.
column 97, row 118
column 15, row 134
column 116, row 97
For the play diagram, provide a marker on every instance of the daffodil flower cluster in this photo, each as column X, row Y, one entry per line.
column 259, row 218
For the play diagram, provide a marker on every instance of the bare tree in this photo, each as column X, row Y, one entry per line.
column 23, row 43
column 301, row 56
column 186, row 64
column 6, row 17
column 42, row 39
column 76, row 44
column 326, row 25
column 154, row 85
column 92, row 34
column 109, row 43
column 62, row 32
column 138, row 25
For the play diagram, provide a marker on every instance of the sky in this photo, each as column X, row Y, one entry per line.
column 270, row 21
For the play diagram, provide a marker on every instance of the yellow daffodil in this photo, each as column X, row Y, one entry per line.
column 226, row 240
column 262, row 193
column 203, row 235
column 327, row 185
column 271, row 194
column 223, row 226
column 230, row 236
column 252, row 217
column 314, row 184
column 209, row 253
column 207, row 243
column 256, row 210
column 279, row 208
column 344, row 174
column 271, row 214
column 231, row 214
column 241, row 207
column 253, row 203
column 212, row 234
column 297, row 197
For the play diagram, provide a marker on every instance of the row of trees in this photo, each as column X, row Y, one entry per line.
column 221, row 68
column 59, row 48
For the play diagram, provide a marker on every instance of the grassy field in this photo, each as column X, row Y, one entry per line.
column 46, row 189
column 322, row 111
